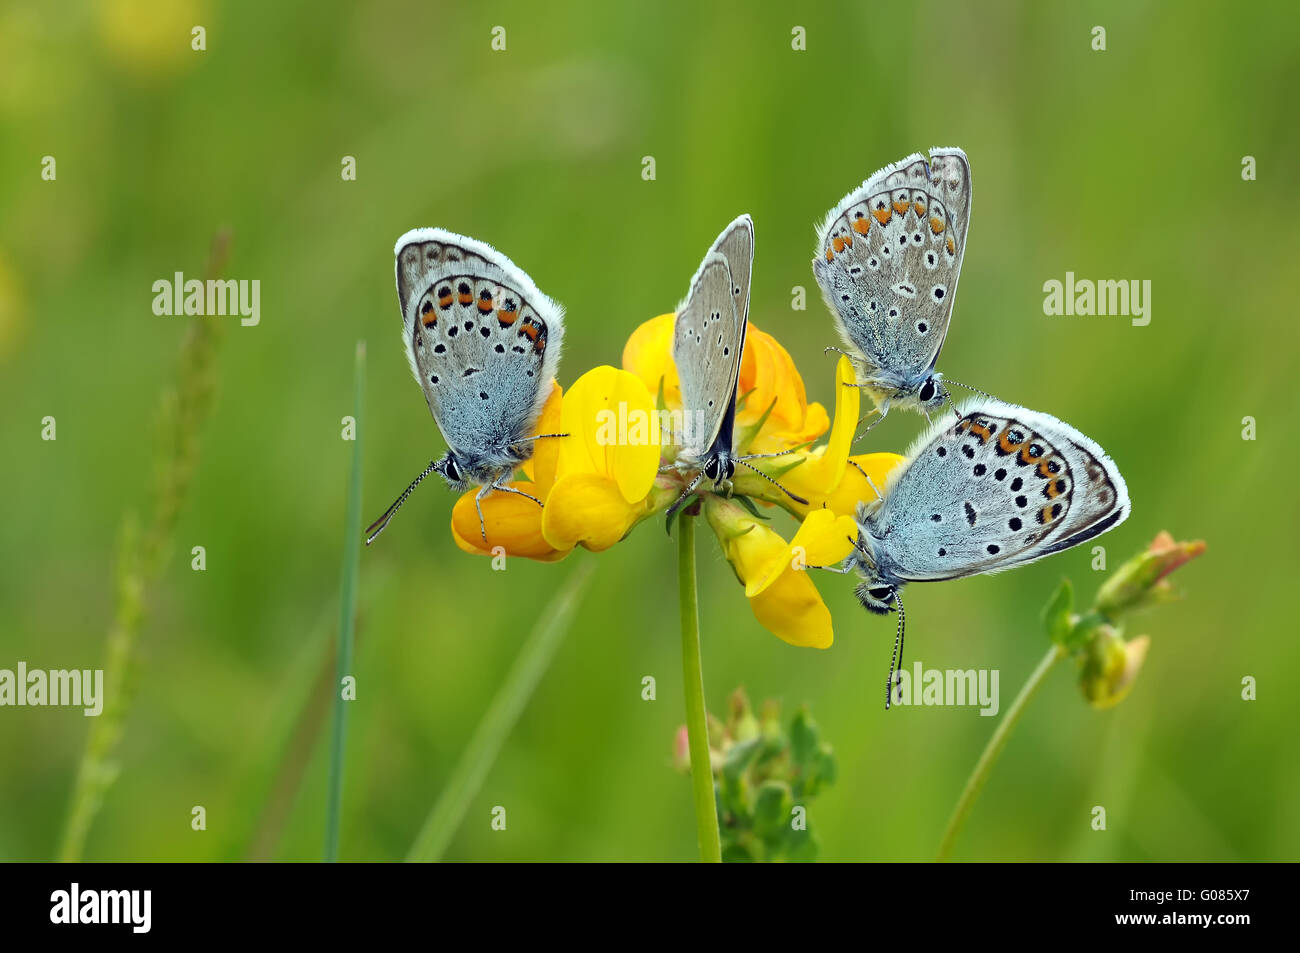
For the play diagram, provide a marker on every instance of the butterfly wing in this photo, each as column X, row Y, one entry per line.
column 888, row 259
column 1001, row 487
column 482, row 340
column 709, row 337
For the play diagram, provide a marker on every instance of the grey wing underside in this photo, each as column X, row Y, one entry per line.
column 889, row 257
column 1003, row 477
column 708, row 336
column 482, row 341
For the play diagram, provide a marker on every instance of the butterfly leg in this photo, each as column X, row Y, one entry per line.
column 488, row 488
column 883, row 411
column 484, row 490
column 838, row 570
column 510, row 489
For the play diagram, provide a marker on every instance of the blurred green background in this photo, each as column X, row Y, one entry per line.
column 1117, row 164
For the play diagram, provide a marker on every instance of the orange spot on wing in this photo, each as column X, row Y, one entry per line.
column 466, row 299
column 1026, row 456
column 1005, row 443
column 883, row 215
column 861, row 225
column 840, row 243
column 1042, row 469
column 982, row 432
column 529, row 330
column 952, row 246
column 1045, row 516
column 430, row 319
column 445, row 302
column 919, row 208
column 901, row 207
column 485, row 306
column 936, row 225
column 507, row 317
column 830, row 255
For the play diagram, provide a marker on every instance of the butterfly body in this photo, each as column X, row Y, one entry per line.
column 889, row 256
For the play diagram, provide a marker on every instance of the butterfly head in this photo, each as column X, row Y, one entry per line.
column 877, row 599
column 720, row 469
column 454, row 471
column 932, row 393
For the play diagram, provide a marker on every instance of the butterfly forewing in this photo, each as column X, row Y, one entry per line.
column 1000, row 487
column 889, row 256
column 482, row 340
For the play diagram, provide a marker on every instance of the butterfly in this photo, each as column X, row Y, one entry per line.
column 484, row 345
column 1000, row 487
column 888, row 259
column 708, row 341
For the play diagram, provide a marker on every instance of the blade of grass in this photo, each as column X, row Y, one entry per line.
column 347, row 615
column 184, row 407
column 481, row 752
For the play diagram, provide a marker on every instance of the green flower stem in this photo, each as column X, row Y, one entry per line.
column 697, row 729
column 992, row 751
column 347, row 616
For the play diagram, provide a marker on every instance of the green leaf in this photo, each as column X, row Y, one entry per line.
column 803, row 737
column 748, row 504
column 772, row 804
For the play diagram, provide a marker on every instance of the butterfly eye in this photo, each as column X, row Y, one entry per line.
column 451, row 471
column 882, row 593
column 712, row 469
column 927, row 392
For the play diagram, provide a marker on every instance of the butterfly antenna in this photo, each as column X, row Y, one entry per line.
column 690, row 488
column 377, row 527
column 896, row 660
column 949, row 380
column 771, row 480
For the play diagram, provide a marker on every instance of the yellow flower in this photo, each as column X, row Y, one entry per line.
column 780, row 592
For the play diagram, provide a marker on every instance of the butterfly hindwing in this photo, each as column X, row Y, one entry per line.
column 482, row 340
column 888, row 259
column 1000, row 487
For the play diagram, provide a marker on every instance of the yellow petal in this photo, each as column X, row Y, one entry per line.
column 793, row 611
column 823, row 539
column 789, row 606
column 613, row 431
column 854, row 487
column 587, row 509
column 633, row 460
column 546, row 453
column 513, row 523
column 649, row 355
